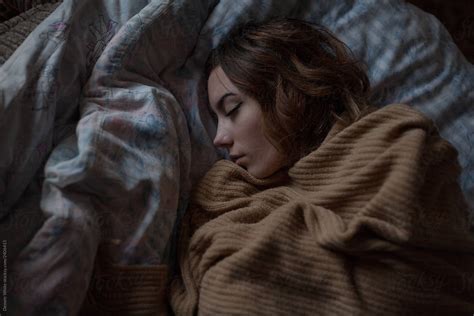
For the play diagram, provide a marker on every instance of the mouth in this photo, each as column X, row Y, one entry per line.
column 236, row 158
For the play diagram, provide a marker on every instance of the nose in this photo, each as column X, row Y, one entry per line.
column 223, row 138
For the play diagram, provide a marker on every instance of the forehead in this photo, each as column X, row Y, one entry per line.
column 218, row 84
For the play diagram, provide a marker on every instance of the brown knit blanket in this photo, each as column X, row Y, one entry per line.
column 15, row 30
column 372, row 222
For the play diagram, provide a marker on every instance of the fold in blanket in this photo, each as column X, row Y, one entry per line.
column 372, row 221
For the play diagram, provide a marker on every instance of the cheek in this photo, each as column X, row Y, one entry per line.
column 249, row 129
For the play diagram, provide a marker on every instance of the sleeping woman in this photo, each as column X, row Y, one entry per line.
column 328, row 205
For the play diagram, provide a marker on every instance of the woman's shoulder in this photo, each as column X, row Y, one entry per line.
column 373, row 118
column 396, row 114
column 399, row 110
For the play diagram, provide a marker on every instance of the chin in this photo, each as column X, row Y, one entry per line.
column 259, row 174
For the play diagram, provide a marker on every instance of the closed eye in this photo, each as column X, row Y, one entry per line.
column 234, row 109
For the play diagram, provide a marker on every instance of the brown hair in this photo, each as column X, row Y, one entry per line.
column 303, row 77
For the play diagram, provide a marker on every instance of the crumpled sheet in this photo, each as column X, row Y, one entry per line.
column 104, row 128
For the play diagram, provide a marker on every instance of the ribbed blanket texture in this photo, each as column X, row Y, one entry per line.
column 15, row 26
column 372, row 222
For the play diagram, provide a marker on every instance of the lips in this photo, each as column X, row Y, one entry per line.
column 235, row 158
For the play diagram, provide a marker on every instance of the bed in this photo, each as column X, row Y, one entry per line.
column 104, row 128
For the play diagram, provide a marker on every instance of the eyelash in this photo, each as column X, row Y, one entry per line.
column 234, row 109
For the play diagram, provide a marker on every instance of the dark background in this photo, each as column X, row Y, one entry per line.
column 458, row 17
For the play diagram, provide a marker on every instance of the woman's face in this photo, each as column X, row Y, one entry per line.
column 239, row 128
